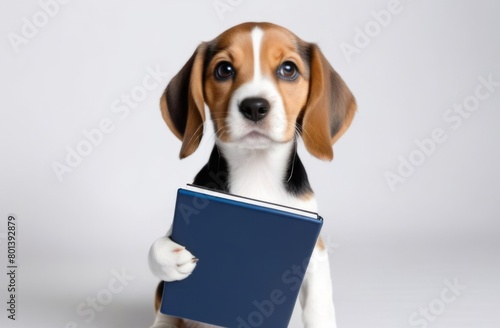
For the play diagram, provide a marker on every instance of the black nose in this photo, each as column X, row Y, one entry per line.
column 254, row 109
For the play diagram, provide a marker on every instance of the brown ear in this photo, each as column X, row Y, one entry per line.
column 329, row 109
column 182, row 104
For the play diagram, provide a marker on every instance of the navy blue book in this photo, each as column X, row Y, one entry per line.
column 252, row 258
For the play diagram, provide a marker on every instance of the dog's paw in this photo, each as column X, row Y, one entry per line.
column 170, row 261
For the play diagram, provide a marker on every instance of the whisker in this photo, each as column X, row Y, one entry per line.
column 214, row 134
column 195, row 133
column 302, row 131
column 293, row 161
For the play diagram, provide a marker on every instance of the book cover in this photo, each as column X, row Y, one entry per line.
column 252, row 259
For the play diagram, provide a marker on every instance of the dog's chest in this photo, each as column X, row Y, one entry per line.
column 262, row 175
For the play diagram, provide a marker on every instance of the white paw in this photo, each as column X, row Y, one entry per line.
column 170, row 261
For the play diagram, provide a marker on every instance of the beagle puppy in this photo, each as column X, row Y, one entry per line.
column 264, row 88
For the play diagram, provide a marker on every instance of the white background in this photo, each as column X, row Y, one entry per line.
column 391, row 251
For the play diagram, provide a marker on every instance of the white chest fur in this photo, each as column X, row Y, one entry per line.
column 261, row 173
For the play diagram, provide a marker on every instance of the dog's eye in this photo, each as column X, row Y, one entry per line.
column 288, row 71
column 224, row 71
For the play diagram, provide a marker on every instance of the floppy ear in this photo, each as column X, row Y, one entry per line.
column 329, row 109
column 182, row 104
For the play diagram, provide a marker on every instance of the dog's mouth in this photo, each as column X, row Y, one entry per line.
column 255, row 139
column 256, row 135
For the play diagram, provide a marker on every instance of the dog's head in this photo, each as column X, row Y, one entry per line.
column 263, row 85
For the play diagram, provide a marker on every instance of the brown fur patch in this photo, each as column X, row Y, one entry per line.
column 320, row 243
column 278, row 46
column 351, row 110
column 329, row 110
column 235, row 47
column 182, row 104
column 306, row 196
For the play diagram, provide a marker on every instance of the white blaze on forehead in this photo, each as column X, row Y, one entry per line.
column 257, row 35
